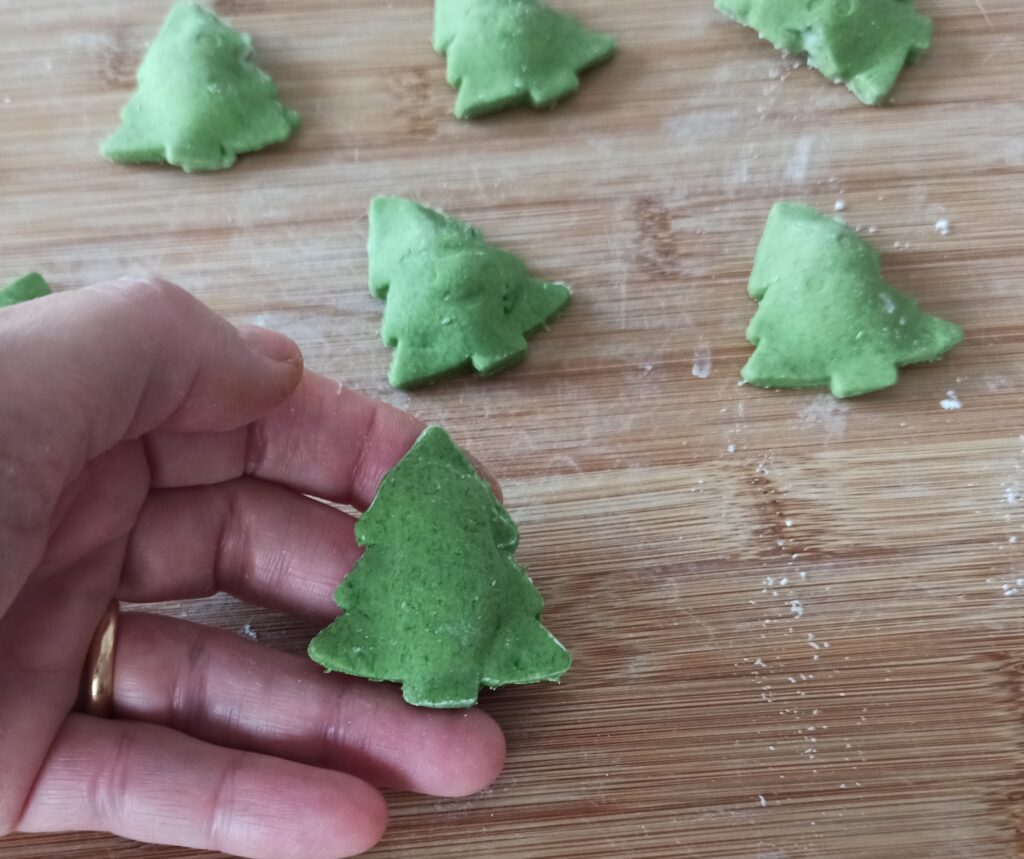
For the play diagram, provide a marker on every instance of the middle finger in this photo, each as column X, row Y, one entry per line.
column 324, row 440
column 258, row 541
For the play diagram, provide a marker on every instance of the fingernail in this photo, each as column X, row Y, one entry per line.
column 270, row 344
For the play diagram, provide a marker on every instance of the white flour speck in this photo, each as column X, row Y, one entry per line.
column 1012, row 496
column 731, row 449
column 1011, row 589
column 952, row 402
column 797, row 608
column 800, row 161
column 702, row 361
column 840, row 205
column 942, row 227
column 260, row 320
column 762, row 800
column 249, row 631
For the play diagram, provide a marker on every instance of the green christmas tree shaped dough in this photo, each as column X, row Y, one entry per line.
column 201, row 101
column 453, row 301
column 863, row 43
column 438, row 602
column 24, row 289
column 826, row 315
column 507, row 52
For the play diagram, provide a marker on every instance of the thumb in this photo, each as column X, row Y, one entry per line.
column 81, row 371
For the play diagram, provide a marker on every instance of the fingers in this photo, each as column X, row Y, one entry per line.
column 261, row 542
column 119, row 360
column 156, row 785
column 325, row 440
column 226, row 690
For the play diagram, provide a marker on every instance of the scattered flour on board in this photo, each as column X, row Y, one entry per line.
column 942, row 227
column 1012, row 495
column 702, row 361
column 840, row 205
column 827, row 411
column 952, row 402
column 1012, row 589
column 800, row 160
column 704, row 125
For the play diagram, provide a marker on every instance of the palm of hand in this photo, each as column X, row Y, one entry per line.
column 161, row 456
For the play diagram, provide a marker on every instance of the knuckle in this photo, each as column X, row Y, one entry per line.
column 154, row 291
column 222, row 799
column 191, row 685
column 145, row 299
column 150, row 309
column 112, row 781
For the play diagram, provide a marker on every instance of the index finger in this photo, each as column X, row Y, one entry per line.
column 325, row 440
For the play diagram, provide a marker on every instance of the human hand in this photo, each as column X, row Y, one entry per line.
column 151, row 451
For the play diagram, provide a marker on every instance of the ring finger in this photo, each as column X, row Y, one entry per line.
column 152, row 784
column 226, row 690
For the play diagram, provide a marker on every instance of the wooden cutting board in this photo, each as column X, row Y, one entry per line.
column 798, row 623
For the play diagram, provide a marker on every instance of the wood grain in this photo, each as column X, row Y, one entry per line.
column 797, row 622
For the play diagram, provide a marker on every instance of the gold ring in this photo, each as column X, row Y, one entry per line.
column 97, row 694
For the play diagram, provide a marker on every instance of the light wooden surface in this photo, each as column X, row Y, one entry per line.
column 798, row 623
